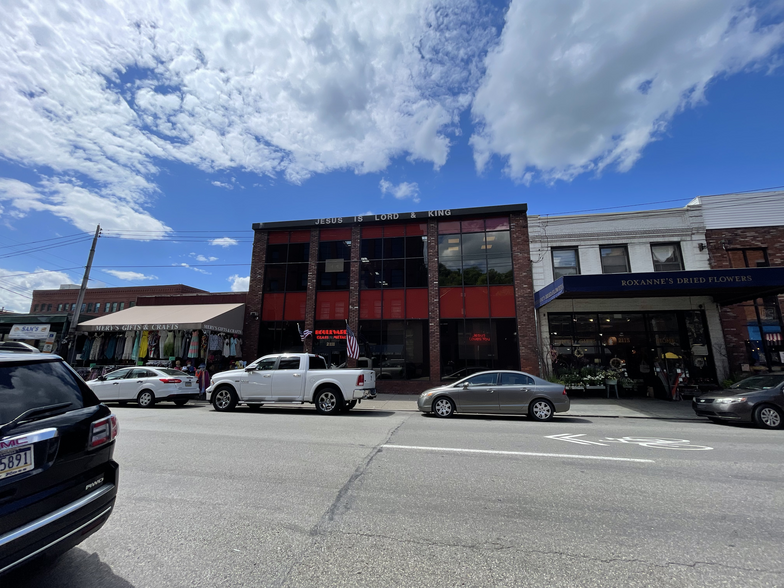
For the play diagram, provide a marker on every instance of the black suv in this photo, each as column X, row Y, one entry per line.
column 58, row 481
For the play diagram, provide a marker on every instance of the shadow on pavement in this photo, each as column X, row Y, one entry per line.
column 507, row 417
column 75, row 568
column 309, row 411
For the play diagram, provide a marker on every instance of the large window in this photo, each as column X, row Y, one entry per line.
column 394, row 256
column 396, row 350
column 334, row 263
column 286, row 268
column 473, row 345
column 474, row 252
column 566, row 262
column 615, row 259
column 666, row 257
column 279, row 337
column 748, row 257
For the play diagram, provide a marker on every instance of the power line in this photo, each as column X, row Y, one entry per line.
column 43, row 240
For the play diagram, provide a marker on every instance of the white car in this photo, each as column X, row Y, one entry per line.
column 145, row 385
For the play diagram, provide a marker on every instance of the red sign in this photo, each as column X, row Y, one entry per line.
column 479, row 338
column 328, row 334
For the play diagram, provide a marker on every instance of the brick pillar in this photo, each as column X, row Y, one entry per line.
column 250, row 330
column 524, row 294
column 433, row 308
column 353, row 284
column 310, row 304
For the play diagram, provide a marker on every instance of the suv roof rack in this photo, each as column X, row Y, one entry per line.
column 17, row 347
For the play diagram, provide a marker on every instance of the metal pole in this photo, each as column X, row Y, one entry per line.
column 80, row 299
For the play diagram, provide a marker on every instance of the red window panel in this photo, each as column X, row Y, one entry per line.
column 497, row 224
column 394, row 304
column 372, row 232
column 414, row 229
column 416, row 303
column 370, row 304
column 447, row 228
column 335, row 235
column 273, row 307
column 395, row 231
column 295, row 306
column 502, row 302
column 477, row 304
column 300, row 237
column 276, row 237
column 331, row 306
column 451, row 302
column 473, row 226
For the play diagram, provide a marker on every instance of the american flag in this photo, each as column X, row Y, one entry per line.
column 304, row 334
column 352, row 347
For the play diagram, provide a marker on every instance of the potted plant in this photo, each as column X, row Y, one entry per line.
column 611, row 376
column 572, row 381
column 592, row 379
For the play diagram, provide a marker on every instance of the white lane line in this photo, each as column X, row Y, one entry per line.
column 523, row 453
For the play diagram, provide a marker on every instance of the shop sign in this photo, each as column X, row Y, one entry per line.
column 29, row 332
column 478, row 338
column 221, row 329
column 396, row 216
column 330, row 334
column 140, row 327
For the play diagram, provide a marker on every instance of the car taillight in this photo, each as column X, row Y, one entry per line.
column 564, row 391
column 103, row 431
column 170, row 380
column 361, row 380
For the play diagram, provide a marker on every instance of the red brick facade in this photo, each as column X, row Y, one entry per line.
column 524, row 294
column 734, row 319
column 43, row 299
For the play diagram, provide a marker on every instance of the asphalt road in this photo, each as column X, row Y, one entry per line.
column 286, row 497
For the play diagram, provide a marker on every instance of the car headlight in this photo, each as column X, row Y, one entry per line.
column 731, row 400
column 428, row 394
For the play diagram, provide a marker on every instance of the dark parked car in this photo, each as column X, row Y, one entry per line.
column 58, row 481
column 498, row 392
column 758, row 399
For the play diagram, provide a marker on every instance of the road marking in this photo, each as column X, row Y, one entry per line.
column 574, row 439
column 521, row 453
column 677, row 444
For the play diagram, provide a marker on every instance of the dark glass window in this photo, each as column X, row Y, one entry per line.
column 334, row 250
column 60, row 307
column 748, row 258
column 510, row 379
column 278, row 337
column 666, row 257
column 396, row 350
column 566, row 262
column 474, row 258
column 474, row 345
column 288, row 363
column 615, row 259
column 394, row 262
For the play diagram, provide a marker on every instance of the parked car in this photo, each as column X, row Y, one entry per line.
column 58, row 479
column 497, row 392
column 758, row 399
column 292, row 378
column 145, row 385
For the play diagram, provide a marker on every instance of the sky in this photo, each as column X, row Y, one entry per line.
column 177, row 125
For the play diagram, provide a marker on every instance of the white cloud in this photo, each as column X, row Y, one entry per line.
column 223, row 242
column 203, row 258
column 402, row 191
column 218, row 184
column 17, row 287
column 239, row 284
column 97, row 97
column 575, row 86
column 130, row 276
column 196, row 269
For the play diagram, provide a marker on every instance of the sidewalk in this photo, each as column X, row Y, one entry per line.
column 639, row 408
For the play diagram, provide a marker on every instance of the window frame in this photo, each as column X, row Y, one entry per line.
column 678, row 255
column 625, row 249
column 576, row 257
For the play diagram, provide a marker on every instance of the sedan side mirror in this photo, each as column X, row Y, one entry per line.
column 101, row 378
column 465, row 385
column 250, row 368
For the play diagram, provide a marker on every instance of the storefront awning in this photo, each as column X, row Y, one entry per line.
column 727, row 286
column 227, row 318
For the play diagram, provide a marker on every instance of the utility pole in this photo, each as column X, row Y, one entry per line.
column 80, row 299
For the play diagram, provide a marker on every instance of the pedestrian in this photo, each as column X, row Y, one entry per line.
column 203, row 377
column 189, row 369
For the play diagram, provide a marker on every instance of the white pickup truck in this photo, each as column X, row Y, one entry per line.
column 292, row 378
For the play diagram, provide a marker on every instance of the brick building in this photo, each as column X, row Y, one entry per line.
column 747, row 231
column 431, row 295
column 100, row 301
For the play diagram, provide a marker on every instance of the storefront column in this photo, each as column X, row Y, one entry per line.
column 433, row 312
column 353, row 285
column 250, row 330
column 310, row 304
column 524, row 294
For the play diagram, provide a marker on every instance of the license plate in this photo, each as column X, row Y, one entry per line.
column 188, row 384
column 16, row 462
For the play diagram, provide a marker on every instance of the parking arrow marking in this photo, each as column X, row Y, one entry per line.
column 574, row 439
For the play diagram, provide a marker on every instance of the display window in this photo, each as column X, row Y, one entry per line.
column 395, row 350
column 473, row 345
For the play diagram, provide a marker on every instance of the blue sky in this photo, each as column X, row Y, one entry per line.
column 176, row 126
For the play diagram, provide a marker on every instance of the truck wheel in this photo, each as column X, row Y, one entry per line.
column 328, row 401
column 349, row 405
column 224, row 399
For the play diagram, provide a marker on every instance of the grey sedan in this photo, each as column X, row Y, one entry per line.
column 758, row 399
column 497, row 392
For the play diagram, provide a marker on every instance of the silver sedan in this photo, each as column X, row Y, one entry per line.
column 497, row 392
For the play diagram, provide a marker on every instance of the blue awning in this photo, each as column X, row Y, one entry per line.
column 726, row 286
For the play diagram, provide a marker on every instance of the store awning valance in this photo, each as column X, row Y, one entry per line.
column 727, row 286
column 227, row 318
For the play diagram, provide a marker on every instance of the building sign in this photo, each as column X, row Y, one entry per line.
column 333, row 266
column 29, row 332
column 330, row 334
column 478, row 338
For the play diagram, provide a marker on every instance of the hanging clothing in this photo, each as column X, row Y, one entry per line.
column 238, row 346
column 215, row 342
column 193, row 350
column 162, row 345
column 152, row 345
column 168, row 345
column 186, row 344
column 88, row 343
column 233, row 346
column 96, row 347
column 177, row 352
column 203, row 352
column 137, row 343
column 226, row 347
column 143, row 345
column 203, row 377
column 130, row 339
column 110, row 347
column 118, row 348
